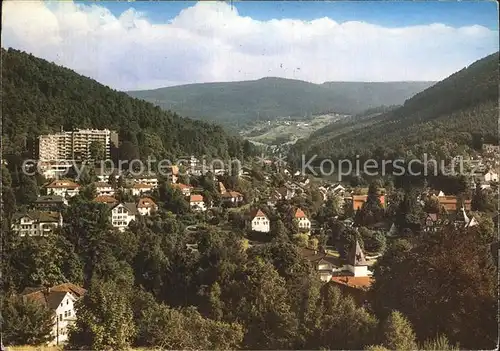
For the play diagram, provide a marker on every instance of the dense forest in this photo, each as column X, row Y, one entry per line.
column 234, row 104
column 441, row 121
column 40, row 97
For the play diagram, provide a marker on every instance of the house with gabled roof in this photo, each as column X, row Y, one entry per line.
column 36, row 223
column 50, row 203
column 324, row 263
column 122, row 213
column 233, row 198
column 185, row 189
column 146, row 206
column 61, row 300
column 302, row 220
column 63, row 187
column 106, row 199
column 273, row 199
column 197, row 203
column 259, row 222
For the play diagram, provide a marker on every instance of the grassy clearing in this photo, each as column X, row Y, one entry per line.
column 268, row 134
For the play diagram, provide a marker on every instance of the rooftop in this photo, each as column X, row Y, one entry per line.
column 40, row 216
column 353, row 282
column 300, row 214
column 52, row 297
column 49, row 198
column 196, row 198
column 257, row 213
column 63, row 184
column 106, row 199
column 146, row 202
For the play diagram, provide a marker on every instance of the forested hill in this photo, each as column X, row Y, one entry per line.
column 237, row 103
column 39, row 97
column 441, row 121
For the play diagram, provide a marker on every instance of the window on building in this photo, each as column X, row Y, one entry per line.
column 60, row 317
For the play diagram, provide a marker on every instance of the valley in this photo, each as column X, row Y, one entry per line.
column 211, row 176
column 285, row 130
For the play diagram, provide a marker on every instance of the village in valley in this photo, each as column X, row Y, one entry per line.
column 340, row 228
column 235, row 175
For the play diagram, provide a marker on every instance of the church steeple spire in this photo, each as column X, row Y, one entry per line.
column 356, row 256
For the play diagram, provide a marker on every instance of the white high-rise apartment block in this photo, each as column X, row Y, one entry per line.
column 74, row 145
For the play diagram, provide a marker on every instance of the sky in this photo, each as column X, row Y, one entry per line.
column 146, row 45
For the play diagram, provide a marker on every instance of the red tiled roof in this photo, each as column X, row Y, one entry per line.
column 146, row 202
column 142, row 186
column 106, row 199
column 63, row 184
column 300, row 214
column 196, row 198
column 257, row 213
column 353, row 282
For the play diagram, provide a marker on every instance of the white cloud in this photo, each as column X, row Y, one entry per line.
column 212, row 42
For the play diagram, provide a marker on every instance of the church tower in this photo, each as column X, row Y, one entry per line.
column 357, row 264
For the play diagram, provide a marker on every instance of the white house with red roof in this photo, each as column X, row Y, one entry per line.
column 302, row 220
column 146, row 206
column 64, row 188
column 197, row 203
column 259, row 222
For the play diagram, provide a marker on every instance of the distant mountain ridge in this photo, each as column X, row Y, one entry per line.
column 240, row 103
column 441, row 121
